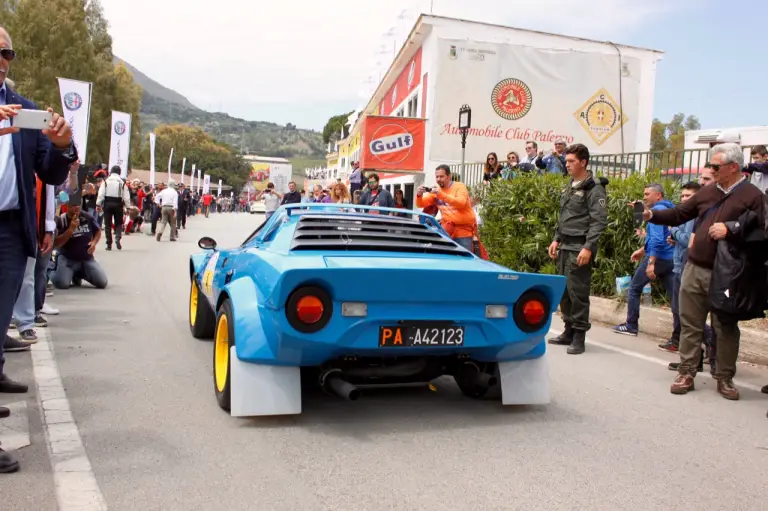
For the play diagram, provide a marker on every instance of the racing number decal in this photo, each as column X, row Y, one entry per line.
column 208, row 274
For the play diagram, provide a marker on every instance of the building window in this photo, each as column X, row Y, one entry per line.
column 413, row 106
column 400, row 113
column 343, row 162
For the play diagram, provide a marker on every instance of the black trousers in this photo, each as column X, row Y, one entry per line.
column 155, row 217
column 113, row 216
column 181, row 217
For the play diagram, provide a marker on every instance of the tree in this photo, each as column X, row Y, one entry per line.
column 332, row 129
column 70, row 39
column 671, row 136
column 218, row 160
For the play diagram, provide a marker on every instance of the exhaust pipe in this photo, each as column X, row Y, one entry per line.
column 333, row 382
column 474, row 376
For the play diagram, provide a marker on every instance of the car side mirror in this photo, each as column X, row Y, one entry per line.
column 207, row 243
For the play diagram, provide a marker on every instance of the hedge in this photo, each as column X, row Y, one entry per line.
column 520, row 217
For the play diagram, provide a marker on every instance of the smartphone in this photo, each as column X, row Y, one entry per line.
column 32, row 119
column 637, row 214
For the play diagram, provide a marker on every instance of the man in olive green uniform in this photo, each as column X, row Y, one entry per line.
column 583, row 218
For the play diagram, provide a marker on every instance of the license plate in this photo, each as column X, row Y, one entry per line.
column 414, row 336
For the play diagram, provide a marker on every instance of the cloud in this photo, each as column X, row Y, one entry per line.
column 314, row 54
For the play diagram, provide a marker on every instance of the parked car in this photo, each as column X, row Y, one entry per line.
column 257, row 206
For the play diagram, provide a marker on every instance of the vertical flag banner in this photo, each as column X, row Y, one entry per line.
column 206, row 184
column 192, row 178
column 170, row 159
column 183, row 164
column 152, row 159
column 199, row 181
column 120, row 145
column 76, row 103
column 219, row 192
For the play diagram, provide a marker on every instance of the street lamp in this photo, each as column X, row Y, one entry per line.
column 465, row 122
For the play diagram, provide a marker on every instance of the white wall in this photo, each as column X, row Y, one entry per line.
column 454, row 29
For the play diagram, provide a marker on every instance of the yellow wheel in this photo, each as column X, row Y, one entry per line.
column 223, row 341
column 201, row 317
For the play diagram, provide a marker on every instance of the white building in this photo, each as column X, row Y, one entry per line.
column 521, row 85
column 750, row 136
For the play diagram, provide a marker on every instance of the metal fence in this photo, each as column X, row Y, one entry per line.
column 682, row 166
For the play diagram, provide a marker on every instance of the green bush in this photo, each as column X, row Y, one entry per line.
column 520, row 217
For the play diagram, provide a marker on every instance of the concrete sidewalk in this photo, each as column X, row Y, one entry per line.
column 657, row 322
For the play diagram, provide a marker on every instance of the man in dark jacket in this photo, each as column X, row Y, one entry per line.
column 656, row 261
column 376, row 195
column 292, row 197
column 711, row 207
column 49, row 152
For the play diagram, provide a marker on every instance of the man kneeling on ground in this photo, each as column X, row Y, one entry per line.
column 77, row 235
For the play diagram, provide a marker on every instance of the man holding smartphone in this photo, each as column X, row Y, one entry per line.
column 49, row 152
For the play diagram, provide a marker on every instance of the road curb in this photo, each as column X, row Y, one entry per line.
column 657, row 323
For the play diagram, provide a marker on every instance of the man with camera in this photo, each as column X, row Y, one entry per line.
column 23, row 152
column 271, row 200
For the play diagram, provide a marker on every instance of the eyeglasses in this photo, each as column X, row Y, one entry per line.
column 716, row 167
column 373, row 183
column 7, row 54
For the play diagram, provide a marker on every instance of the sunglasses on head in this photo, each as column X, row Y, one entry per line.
column 7, row 54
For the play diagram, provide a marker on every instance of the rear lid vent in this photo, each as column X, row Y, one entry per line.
column 384, row 233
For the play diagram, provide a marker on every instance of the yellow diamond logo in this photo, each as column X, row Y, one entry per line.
column 600, row 116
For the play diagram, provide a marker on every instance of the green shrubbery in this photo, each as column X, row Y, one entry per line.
column 520, row 217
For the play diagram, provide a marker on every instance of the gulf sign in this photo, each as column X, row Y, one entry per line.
column 392, row 144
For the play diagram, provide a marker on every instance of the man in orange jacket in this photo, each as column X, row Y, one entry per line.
column 452, row 199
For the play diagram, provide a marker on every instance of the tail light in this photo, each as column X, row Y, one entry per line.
column 532, row 311
column 309, row 309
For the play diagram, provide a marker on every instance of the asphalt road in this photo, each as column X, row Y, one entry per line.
column 141, row 393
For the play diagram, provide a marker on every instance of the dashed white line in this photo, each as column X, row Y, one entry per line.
column 76, row 486
column 651, row 359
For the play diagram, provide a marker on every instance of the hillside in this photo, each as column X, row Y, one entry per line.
column 161, row 105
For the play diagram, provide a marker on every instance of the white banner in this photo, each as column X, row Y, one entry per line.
column 280, row 176
column 120, row 145
column 76, row 103
column 206, row 184
column 183, row 164
column 219, row 192
column 198, row 180
column 192, row 178
column 152, row 139
column 170, row 159
column 520, row 93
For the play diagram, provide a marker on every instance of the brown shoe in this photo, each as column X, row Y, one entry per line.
column 159, row 236
column 683, row 384
column 727, row 390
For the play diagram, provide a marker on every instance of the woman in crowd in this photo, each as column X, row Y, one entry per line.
column 510, row 169
column 400, row 203
column 340, row 194
column 492, row 168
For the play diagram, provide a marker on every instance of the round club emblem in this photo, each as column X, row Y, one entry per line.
column 72, row 101
column 391, row 144
column 119, row 127
column 511, row 99
column 601, row 115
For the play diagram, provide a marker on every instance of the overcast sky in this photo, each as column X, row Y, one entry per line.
column 302, row 61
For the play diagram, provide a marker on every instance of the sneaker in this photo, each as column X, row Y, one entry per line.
column 669, row 346
column 728, row 390
column 49, row 311
column 118, row 245
column 683, row 384
column 12, row 345
column 625, row 329
column 40, row 321
column 29, row 336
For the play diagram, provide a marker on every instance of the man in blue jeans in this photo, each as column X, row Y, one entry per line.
column 656, row 261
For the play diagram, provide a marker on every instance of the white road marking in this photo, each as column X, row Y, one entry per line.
column 76, row 486
column 14, row 430
column 654, row 360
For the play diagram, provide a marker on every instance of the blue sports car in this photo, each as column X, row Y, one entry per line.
column 346, row 296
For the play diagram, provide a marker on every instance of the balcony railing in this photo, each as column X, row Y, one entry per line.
column 682, row 165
